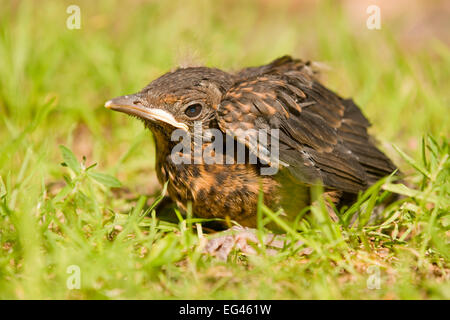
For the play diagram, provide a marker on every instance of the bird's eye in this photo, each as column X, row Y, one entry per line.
column 193, row 110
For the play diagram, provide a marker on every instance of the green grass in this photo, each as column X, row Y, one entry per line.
column 54, row 81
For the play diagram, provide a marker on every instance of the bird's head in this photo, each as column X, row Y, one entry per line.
column 176, row 100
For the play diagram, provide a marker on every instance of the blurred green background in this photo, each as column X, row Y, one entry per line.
column 399, row 75
column 54, row 82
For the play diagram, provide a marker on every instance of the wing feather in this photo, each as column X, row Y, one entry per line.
column 322, row 139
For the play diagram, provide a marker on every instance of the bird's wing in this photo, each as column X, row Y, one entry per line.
column 280, row 65
column 322, row 137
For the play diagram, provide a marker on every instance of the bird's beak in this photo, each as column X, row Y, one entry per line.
column 131, row 104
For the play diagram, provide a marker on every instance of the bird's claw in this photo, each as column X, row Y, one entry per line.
column 244, row 240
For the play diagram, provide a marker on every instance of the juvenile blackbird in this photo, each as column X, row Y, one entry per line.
column 323, row 138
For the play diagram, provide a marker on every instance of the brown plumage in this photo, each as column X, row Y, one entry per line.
column 323, row 138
